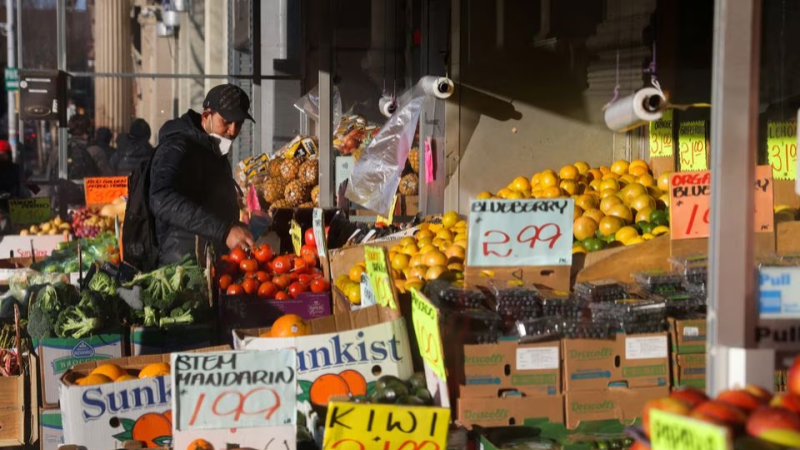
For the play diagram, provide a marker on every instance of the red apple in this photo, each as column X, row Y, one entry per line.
column 690, row 395
column 715, row 409
column 741, row 399
column 759, row 392
column 666, row 404
column 776, row 425
column 786, row 400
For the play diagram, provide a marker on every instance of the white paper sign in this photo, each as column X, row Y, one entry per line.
column 319, row 232
column 538, row 358
column 646, row 347
column 234, row 389
column 513, row 233
column 367, row 295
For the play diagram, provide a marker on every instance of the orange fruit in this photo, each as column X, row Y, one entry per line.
column 578, row 213
column 625, row 233
column 604, row 170
column 639, row 163
column 609, row 225
column 503, row 193
column 535, row 179
column 595, row 185
column 584, row 228
column 435, row 272
column 663, row 181
column 637, row 171
column 582, row 167
column 125, row 378
column 355, row 382
column 643, row 215
column 609, row 184
column 621, row 211
column 291, row 325
column 594, row 174
column 434, row 258
column 399, row 261
column 568, row 173
column 627, row 179
column 484, row 195
column 643, row 201
column 327, row 386
column 353, row 293
column 610, row 176
column 455, row 254
column 200, row 444
column 608, row 202
column 608, row 193
column 646, row 180
column 547, row 179
column 152, row 429
column 570, row 187
column 112, row 371
column 587, row 202
column 552, row 192
column 654, row 191
column 417, row 273
column 594, row 214
column 155, row 370
column 632, row 191
column 516, row 195
column 94, row 379
column 520, row 184
column 620, row 167
column 355, row 273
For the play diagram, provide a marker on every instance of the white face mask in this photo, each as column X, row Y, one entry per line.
column 222, row 143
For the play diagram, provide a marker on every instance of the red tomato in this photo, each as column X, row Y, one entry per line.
column 228, row 267
column 280, row 295
column 225, row 281
column 300, row 266
column 237, row 255
column 235, row 289
column 304, row 279
column 250, row 286
column 320, row 285
column 311, row 259
column 248, row 266
column 263, row 253
column 224, row 258
column 262, row 276
column 281, row 265
column 310, row 238
column 296, row 289
column 267, row 290
column 308, row 250
column 282, row 281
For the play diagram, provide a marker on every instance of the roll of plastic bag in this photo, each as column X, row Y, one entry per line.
column 309, row 105
column 643, row 106
column 376, row 175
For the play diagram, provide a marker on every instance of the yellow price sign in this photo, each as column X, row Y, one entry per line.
column 693, row 146
column 29, row 210
column 661, row 136
column 378, row 271
column 670, row 432
column 425, row 317
column 782, row 149
column 297, row 236
column 390, row 220
column 362, row 426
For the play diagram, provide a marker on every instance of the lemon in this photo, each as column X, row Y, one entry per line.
column 520, row 184
column 647, row 236
column 578, row 249
column 624, row 234
column 484, row 195
column 659, row 230
column 503, row 193
column 450, row 218
column 515, row 195
column 582, row 167
column 634, row 241
column 663, row 181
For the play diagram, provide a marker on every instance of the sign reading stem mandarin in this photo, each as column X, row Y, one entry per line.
column 661, row 136
column 690, row 203
column 378, row 271
column 219, row 390
column 426, row 327
column 693, row 146
column 104, row 190
column 670, row 432
column 385, row 427
column 782, row 149
column 513, row 233
column 29, row 210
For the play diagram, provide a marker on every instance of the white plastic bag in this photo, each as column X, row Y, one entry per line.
column 309, row 105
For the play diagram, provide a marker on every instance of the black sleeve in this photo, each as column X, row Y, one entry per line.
column 170, row 205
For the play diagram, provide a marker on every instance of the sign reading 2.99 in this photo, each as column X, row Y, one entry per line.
column 512, row 233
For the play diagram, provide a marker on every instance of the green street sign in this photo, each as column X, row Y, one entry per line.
column 12, row 79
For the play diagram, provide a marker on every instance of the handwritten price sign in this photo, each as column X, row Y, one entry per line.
column 513, row 233
column 426, row 327
column 234, row 389
column 359, row 426
column 693, row 147
column 782, row 149
column 378, row 271
column 661, row 136
column 669, row 432
column 104, row 190
column 690, row 202
column 29, row 210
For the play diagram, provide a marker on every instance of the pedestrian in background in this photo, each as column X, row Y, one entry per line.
column 133, row 148
column 102, row 151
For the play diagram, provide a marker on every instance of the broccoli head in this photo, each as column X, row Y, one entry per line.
column 76, row 323
column 147, row 317
column 103, row 284
column 40, row 323
column 178, row 316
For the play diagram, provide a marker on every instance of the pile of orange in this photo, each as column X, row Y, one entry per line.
column 288, row 325
column 112, row 373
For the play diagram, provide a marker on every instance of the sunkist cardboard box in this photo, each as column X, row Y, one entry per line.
column 689, row 370
column 56, row 355
column 614, row 403
column 632, row 361
column 51, row 434
column 687, row 335
column 105, row 415
column 366, row 344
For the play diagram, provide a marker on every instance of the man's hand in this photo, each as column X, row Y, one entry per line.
column 239, row 236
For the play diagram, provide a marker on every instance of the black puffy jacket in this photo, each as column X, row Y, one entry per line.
column 192, row 190
column 131, row 153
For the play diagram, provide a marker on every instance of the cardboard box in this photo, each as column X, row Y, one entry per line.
column 103, row 416
column 633, row 361
column 343, row 259
column 12, row 411
column 623, row 404
column 21, row 245
column 689, row 370
column 56, row 355
column 687, row 336
column 155, row 341
column 246, row 311
column 372, row 341
column 511, row 410
column 531, row 369
column 52, row 431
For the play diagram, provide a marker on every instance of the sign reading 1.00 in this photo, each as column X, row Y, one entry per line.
column 512, row 233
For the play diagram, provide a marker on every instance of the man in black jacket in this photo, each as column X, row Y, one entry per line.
column 192, row 190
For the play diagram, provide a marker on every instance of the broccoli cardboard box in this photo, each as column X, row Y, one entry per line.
column 105, row 415
column 51, row 434
column 57, row 355
column 344, row 354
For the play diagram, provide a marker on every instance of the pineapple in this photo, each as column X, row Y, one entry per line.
column 295, row 193
column 413, row 159
column 275, row 167
column 309, row 172
column 273, row 189
column 315, row 195
column 307, row 205
column 409, row 184
column 280, row 204
column 290, row 167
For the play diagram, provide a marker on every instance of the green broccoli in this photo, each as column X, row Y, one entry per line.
column 178, row 316
column 76, row 323
column 40, row 322
column 103, row 284
column 148, row 317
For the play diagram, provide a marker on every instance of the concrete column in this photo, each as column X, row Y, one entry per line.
column 191, row 55
column 113, row 96
column 216, row 43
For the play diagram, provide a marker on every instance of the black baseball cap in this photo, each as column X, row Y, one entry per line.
column 230, row 101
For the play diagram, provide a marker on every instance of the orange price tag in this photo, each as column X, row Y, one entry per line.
column 693, row 146
column 782, row 149
column 104, row 190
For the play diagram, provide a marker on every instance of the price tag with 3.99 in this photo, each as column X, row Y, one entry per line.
column 782, row 149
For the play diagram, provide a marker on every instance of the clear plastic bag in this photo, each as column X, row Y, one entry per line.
column 309, row 104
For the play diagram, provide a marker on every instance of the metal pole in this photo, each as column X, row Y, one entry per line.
column 61, row 49
column 327, row 187
column 733, row 307
column 11, row 55
column 21, row 123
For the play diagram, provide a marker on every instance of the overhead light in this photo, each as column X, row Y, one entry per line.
column 171, row 18
column 164, row 30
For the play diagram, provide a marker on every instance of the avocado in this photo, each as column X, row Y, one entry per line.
column 384, row 380
column 424, row 395
column 387, row 396
column 301, row 420
column 410, row 400
column 417, row 381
